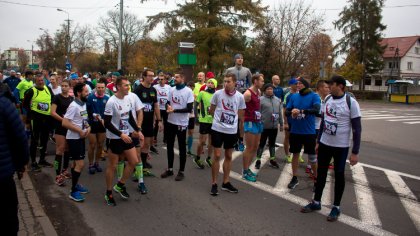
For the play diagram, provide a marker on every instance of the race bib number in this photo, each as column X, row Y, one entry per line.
column 330, row 128
column 148, row 107
column 257, row 116
column 240, row 83
column 300, row 116
column 85, row 124
column 123, row 127
column 43, row 106
column 275, row 117
column 227, row 118
column 182, row 128
column 163, row 101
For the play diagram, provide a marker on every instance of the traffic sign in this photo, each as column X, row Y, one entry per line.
column 68, row 66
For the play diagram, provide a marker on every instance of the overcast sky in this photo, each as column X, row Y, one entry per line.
column 20, row 23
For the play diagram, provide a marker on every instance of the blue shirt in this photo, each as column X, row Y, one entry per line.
column 303, row 124
column 96, row 105
column 12, row 82
column 278, row 92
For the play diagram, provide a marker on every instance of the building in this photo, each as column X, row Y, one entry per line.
column 10, row 57
column 401, row 63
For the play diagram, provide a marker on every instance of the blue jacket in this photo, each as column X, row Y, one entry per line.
column 96, row 105
column 14, row 149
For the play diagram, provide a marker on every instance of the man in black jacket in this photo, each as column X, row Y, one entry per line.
column 14, row 155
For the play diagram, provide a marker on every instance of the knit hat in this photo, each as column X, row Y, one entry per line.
column 266, row 86
column 209, row 75
column 213, row 81
column 304, row 82
column 116, row 73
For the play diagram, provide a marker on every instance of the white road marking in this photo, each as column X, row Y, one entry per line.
column 388, row 170
column 405, row 119
column 369, row 115
column 365, row 203
column 412, row 123
column 388, row 117
column 286, row 173
column 408, row 199
column 264, row 159
column 327, row 193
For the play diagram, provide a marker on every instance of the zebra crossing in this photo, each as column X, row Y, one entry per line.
column 368, row 218
column 391, row 115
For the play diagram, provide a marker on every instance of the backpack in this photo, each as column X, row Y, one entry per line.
column 348, row 101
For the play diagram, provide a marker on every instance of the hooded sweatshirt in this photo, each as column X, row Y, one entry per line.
column 271, row 108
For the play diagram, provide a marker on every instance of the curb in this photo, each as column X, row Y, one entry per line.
column 35, row 204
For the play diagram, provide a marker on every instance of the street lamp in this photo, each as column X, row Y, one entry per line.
column 32, row 53
column 68, row 34
column 322, row 64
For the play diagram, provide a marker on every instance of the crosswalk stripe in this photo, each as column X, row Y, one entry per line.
column 412, row 123
column 264, row 159
column 369, row 115
column 388, row 117
column 326, row 196
column 388, row 170
column 405, row 119
column 408, row 199
column 365, row 203
column 281, row 184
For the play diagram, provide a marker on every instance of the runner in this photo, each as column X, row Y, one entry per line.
column 201, row 81
column 206, row 120
column 191, row 122
column 55, row 87
column 118, row 118
column 76, row 122
column 323, row 90
column 21, row 88
column 59, row 106
column 179, row 106
column 252, row 126
column 338, row 122
column 302, row 108
column 38, row 101
column 288, row 122
column 162, row 89
column 227, row 108
column 95, row 106
column 272, row 120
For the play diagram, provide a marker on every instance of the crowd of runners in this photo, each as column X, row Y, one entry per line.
column 121, row 121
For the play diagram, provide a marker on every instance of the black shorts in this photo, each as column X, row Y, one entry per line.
column 136, row 141
column 308, row 141
column 96, row 128
column 218, row 138
column 77, row 149
column 191, row 123
column 147, row 128
column 118, row 146
column 205, row 128
column 60, row 130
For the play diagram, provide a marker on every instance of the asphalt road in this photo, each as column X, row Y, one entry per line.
column 381, row 197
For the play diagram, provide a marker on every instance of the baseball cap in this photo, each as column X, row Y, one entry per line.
column 209, row 74
column 338, row 79
column 67, row 71
column 85, row 76
column 293, row 81
column 348, row 84
column 74, row 76
column 18, row 73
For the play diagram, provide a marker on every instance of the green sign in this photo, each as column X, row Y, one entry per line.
column 187, row 59
column 34, row 66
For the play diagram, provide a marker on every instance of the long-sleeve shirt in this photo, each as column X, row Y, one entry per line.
column 271, row 115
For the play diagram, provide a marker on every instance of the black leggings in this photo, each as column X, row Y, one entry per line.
column 181, row 133
column 325, row 153
column 40, row 131
column 9, row 210
column 164, row 117
column 271, row 135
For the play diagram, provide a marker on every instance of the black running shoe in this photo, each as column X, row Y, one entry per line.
column 293, row 183
column 35, row 167
column 180, row 176
column 228, row 187
column 166, row 174
column 147, row 165
column 258, row 164
column 274, row 164
column 109, row 199
column 122, row 191
column 214, row 191
column 154, row 150
column 45, row 163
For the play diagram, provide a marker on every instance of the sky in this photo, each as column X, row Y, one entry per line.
column 20, row 23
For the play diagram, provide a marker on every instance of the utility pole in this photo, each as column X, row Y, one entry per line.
column 68, row 35
column 120, row 34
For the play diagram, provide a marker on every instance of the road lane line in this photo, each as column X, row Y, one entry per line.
column 412, row 123
column 373, row 115
column 385, row 170
column 365, row 202
column 388, row 117
column 405, row 119
column 345, row 219
column 408, row 199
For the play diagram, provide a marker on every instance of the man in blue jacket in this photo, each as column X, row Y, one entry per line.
column 14, row 155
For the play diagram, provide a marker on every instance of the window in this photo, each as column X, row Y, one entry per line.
column 409, row 65
column 392, row 64
column 368, row 82
column 417, row 50
column 378, row 82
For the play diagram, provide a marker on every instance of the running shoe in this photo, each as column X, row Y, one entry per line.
column 109, row 199
column 241, row 146
column 274, row 164
column 147, row 173
column 44, row 163
column 236, row 147
column 35, row 167
column 97, row 167
column 147, row 165
column 66, row 174
column 198, row 163
column 214, row 191
column 189, row 153
column 209, row 162
column 258, row 164
column 229, row 187
column 334, row 214
column 301, row 159
column 252, row 173
column 312, row 206
column 166, row 174
column 180, row 176
column 293, row 183
column 76, row 196
column 331, row 166
column 247, row 176
column 92, row 169
column 308, row 170
column 59, row 180
column 288, row 158
column 142, row 188
column 81, row 189
column 154, row 150
column 122, row 191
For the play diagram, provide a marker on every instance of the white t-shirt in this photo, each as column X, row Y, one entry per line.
column 337, row 121
column 318, row 119
column 179, row 99
column 78, row 116
column 225, row 118
column 136, row 106
column 120, row 110
column 162, row 95
column 56, row 90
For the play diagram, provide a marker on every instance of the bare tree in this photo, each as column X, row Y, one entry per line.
column 83, row 41
column 22, row 59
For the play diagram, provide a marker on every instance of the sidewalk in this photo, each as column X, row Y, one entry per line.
column 32, row 218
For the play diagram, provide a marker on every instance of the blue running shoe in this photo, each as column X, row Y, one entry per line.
column 76, row 196
column 334, row 214
column 97, row 167
column 251, row 173
column 246, row 176
column 241, row 146
column 312, row 206
column 92, row 169
column 142, row 188
column 81, row 189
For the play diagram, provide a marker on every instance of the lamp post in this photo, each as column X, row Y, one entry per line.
column 322, row 64
column 32, row 53
column 68, row 34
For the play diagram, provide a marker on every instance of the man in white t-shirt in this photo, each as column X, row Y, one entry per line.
column 118, row 118
column 339, row 120
column 76, row 122
column 179, row 106
column 162, row 89
column 228, row 108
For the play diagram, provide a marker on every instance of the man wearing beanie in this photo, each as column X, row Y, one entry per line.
column 302, row 108
column 242, row 73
